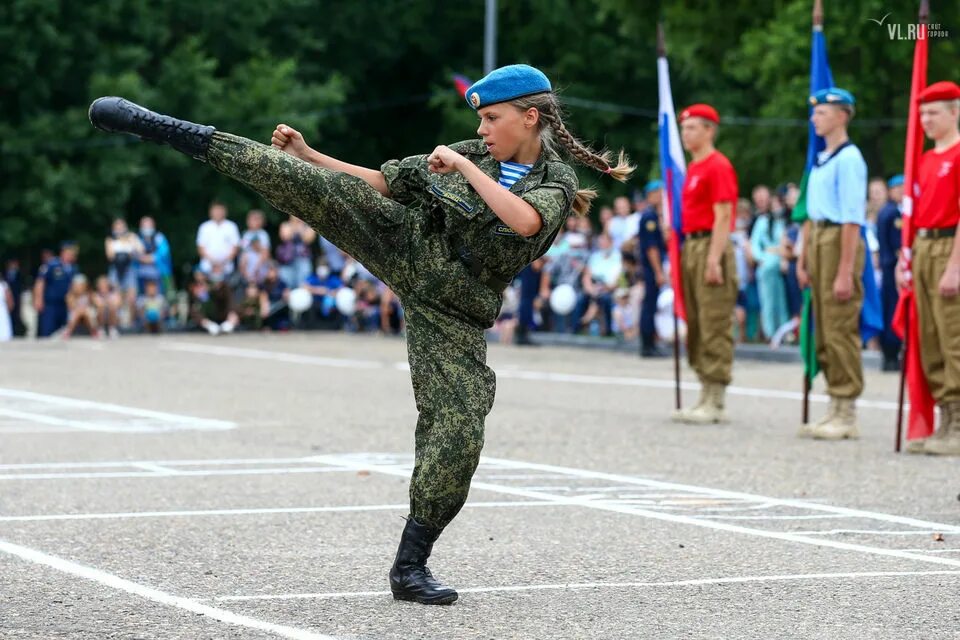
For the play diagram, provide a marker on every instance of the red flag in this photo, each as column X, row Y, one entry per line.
column 920, row 422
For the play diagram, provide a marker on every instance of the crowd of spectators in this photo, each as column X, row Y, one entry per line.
column 244, row 279
column 239, row 280
column 603, row 264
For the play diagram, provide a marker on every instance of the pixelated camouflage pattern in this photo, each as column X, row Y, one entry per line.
column 406, row 241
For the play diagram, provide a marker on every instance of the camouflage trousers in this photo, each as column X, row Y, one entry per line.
column 446, row 308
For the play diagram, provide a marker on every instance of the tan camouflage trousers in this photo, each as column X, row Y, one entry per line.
column 446, row 308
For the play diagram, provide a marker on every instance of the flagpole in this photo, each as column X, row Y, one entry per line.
column 805, row 410
column 923, row 19
column 903, row 380
column 662, row 53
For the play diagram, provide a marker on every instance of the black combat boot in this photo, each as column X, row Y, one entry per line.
column 117, row 115
column 410, row 579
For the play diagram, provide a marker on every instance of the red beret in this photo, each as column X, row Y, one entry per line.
column 704, row 111
column 944, row 90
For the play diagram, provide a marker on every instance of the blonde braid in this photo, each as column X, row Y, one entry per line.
column 551, row 126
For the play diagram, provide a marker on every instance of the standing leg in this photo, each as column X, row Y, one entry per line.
column 454, row 389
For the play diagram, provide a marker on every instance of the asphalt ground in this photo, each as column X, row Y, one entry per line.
column 252, row 486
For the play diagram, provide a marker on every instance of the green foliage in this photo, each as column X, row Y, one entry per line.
column 367, row 81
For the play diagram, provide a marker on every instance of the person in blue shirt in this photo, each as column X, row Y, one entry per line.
column 155, row 263
column 50, row 290
column 833, row 261
column 889, row 223
column 323, row 284
column 651, row 248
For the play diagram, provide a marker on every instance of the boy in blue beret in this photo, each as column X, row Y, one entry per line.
column 447, row 231
column 833, row 261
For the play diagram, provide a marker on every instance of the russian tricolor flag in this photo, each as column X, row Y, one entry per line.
column 673, row 169
column 462, row 83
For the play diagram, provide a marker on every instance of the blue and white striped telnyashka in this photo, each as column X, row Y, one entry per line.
column 510, row 172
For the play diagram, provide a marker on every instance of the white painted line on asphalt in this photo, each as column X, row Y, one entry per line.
column 131, row 515
column 155, row 595
column 168, row 420
column 933, row 550
column 168, row 473
column 516, row 374
column 115, row 464
column 870, row 532
column 737, row 495
column 279, row 356
column 657, row 515
column 56, row 422
column 819, row 516
column 602, row 585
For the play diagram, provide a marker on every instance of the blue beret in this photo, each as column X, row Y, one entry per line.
column 506, row 83
column 653, row 185
column 833, row 95
column 895, row 181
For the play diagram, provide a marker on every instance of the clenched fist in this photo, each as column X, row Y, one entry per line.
column 290, row 141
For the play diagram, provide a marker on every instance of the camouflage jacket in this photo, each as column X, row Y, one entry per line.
column 458, row 211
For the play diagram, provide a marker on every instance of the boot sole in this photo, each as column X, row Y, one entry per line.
column 409, row 597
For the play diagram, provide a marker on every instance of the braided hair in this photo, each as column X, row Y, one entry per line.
column 553, row 132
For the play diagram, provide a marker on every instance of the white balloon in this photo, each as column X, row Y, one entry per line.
column 563, row 299
column 346, row 301
column 300, row 300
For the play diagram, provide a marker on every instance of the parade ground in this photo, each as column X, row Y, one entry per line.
column 253, row 486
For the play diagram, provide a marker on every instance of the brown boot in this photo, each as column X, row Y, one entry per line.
column 842, row 425
column 806, row 430
column 919, row 445
column 711, row 411
column 946, row 441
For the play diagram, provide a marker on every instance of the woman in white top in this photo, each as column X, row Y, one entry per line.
column 123, row 249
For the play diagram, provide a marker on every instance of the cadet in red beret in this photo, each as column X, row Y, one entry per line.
column 936, row 263
column 707, row 264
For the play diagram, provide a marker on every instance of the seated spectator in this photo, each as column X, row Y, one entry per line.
column 155, row 263
column 123, row 249
column 367, row 313
column 273, row 300
column 253, row 261
column 564, row 267
column 210, row 303
column 106, row 300
column 506, row 324
column 391, row 312
column 323, row 285
column 254, row 248
column 293, row 252
column 600, row 279
column 625, row 316
column 218, row 241
column 152, row 308
column 80, row 308
column 250, row 316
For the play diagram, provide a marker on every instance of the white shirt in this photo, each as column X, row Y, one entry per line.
column 218, row 239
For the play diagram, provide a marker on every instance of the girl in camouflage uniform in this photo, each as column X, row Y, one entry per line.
column 445, row 234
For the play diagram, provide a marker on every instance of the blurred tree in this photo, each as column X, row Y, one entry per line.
column 369, row 80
